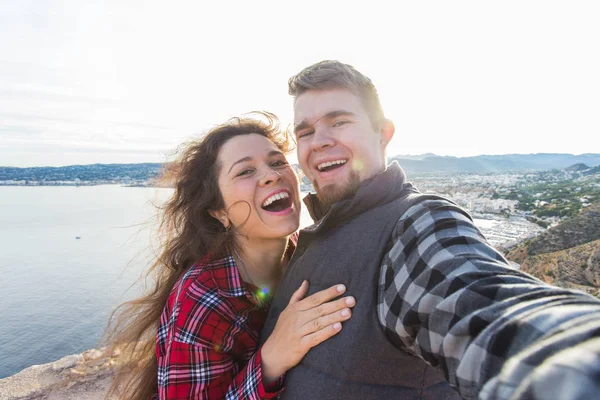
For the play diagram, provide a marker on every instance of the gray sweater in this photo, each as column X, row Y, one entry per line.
column 347, row 246
column 446, row 296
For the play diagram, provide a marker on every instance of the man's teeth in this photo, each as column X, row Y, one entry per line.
column 330, row 163
column 278, row 196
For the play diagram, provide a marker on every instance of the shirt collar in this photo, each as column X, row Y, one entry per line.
column 226, row 277
column 228, row 281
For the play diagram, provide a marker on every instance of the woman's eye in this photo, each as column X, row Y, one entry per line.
column 245, row 172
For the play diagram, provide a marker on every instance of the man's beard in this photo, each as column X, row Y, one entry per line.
column 333, row 193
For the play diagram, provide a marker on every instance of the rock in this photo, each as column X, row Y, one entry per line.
column 514, row 265
column 83, row 376
column 593, row 267
column 66, row 362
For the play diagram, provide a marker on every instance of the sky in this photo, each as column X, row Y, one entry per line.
column 86, row 82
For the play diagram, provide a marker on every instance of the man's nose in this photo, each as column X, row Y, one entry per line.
column 322, row 139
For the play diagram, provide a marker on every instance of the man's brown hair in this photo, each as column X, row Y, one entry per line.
column 331, row 74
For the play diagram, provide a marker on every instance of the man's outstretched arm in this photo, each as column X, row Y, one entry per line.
column 497, row 333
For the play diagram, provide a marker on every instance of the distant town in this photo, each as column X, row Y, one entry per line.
column 514, row 196
column 82, row 175
column 518, row 205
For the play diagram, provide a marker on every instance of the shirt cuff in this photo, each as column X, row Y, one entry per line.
column 268, row 391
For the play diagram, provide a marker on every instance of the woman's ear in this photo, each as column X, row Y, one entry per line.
column 221, row 216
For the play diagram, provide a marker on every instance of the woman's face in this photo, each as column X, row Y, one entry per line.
column 259, row 188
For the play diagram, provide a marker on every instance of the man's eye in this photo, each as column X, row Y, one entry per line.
column 279, row 163
column 340, row 123
column 305, row 133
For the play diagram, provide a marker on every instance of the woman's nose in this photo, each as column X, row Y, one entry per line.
column 270, row 176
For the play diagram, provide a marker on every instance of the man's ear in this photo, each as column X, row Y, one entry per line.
column 221, row 216
column 387, row 133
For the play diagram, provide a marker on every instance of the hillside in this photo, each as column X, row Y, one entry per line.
column 581, row 229
column 567, row 255
column 577, row 167
column 577, row 267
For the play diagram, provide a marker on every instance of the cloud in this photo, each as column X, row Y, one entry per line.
column 58, row 146
column 52, row 96
column 457, row 79
column 36, row 117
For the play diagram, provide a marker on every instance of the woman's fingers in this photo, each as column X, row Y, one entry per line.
column 321, row 335
column 305, row 323
column 299, row 293
column 321, row 297
column 329, row 308
column 325, row 321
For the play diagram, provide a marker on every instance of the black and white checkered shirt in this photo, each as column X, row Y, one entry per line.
column 448, row 297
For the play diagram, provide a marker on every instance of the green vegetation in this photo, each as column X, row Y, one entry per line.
column 541, row 223
column 553, row 194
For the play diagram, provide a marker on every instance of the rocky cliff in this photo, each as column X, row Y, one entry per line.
column 567, row 255
column 83, row 376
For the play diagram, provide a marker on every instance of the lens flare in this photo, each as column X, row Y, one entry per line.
column 262, row 296
column 357, row 165
column 262, row 293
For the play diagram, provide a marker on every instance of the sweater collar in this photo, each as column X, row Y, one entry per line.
column 381, row 189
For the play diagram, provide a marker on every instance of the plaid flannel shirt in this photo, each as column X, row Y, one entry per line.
column 206, row 343
column 448, row 297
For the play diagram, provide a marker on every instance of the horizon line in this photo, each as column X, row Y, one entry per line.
column 400, row 156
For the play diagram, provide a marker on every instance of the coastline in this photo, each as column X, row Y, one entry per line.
column 498, row 228
column 84, row 376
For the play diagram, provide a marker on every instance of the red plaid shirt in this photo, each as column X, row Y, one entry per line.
column 206, row 344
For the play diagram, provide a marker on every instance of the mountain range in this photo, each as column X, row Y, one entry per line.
column 431, row 163
column 413, row 164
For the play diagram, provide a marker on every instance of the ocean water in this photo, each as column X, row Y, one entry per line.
column 57, row 291
column 68, row 257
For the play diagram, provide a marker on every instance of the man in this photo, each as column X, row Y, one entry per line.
column 435, row 302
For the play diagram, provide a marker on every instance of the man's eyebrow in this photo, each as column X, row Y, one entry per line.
column 241, row 160
column 332, row 114
column 274, row 153
column 302, row 125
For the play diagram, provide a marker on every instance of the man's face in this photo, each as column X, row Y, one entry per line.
column 337, row 145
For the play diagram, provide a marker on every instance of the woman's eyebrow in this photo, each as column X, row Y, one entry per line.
column 248, row 158
column 241, row 160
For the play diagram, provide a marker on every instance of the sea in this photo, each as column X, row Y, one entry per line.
column 68, row 256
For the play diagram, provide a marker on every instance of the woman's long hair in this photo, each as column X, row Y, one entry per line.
column 187, row 233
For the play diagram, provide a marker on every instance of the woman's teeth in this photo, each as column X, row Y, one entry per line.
column 275, row 197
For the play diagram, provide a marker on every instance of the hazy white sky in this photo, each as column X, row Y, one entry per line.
column 127, row 81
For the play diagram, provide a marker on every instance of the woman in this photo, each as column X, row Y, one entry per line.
column 227, row 238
